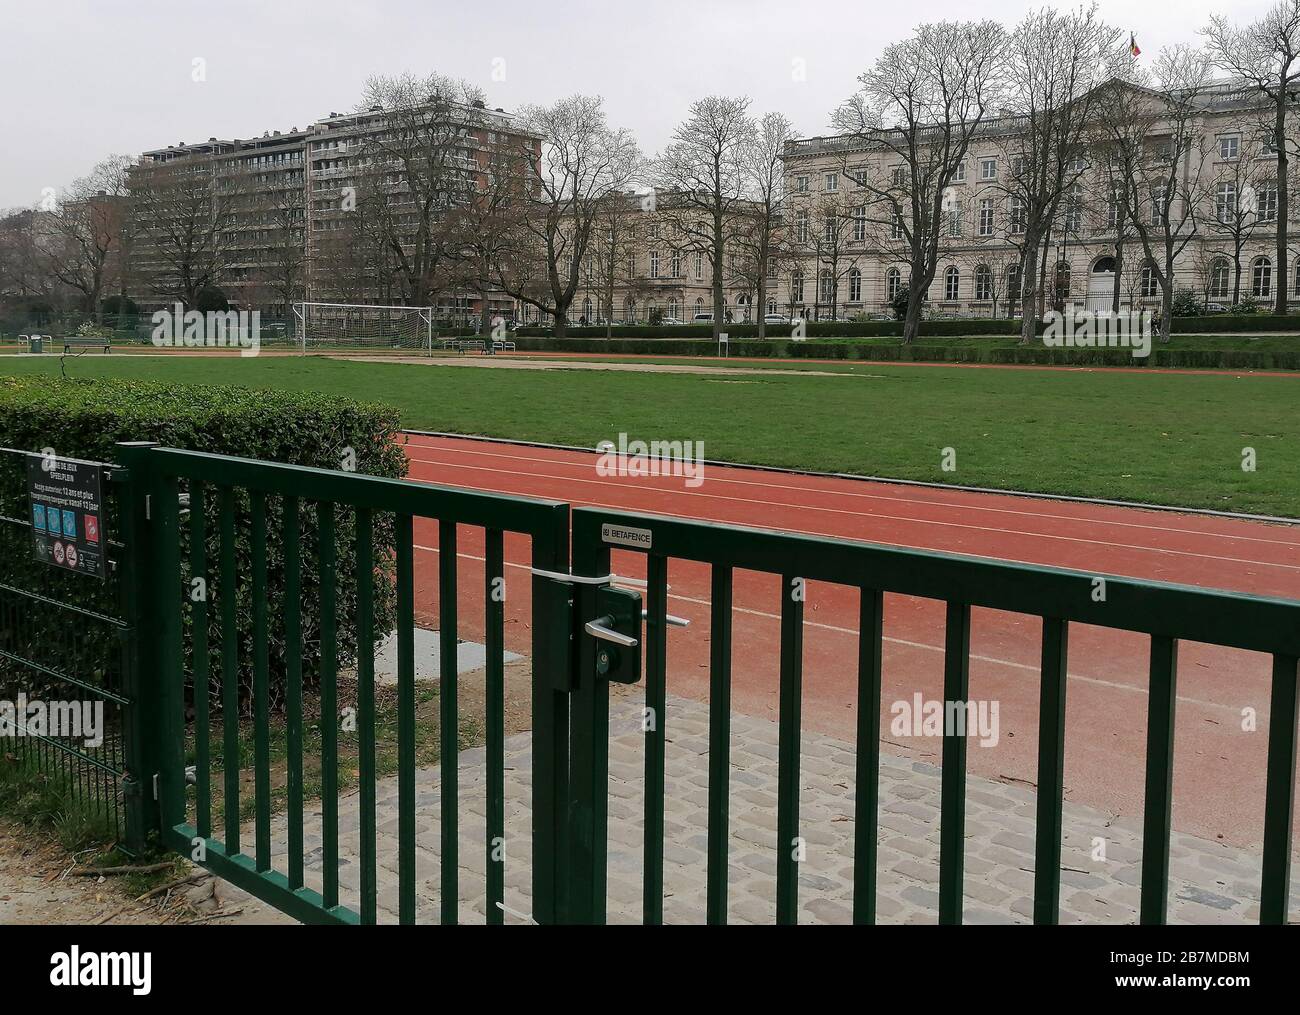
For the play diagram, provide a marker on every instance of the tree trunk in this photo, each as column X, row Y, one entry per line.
column 1119, row 274
column 560, row 328
column 1028, row 269
column 912, row 321
column 1236, row 282
column 761, row 310
column 718, row 261
column 1283, row 202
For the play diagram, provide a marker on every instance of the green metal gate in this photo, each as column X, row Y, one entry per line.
column 185, row 510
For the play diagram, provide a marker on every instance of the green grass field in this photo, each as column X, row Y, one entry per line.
column 1172, row 438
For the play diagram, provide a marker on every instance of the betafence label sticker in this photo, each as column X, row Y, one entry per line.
column 625, row 536
column 67, row 499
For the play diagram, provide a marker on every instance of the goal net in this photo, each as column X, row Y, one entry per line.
column 332, row 326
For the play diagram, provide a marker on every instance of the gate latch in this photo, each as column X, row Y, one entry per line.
column 617, row 629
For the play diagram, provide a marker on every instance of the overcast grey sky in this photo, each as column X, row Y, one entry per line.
column 82, row 80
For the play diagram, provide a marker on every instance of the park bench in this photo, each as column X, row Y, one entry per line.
column 89, row 342
column 503, row 346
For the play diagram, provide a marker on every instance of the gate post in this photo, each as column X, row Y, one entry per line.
column 142, row 718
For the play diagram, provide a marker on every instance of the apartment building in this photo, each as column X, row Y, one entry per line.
column 844, row 256
column 282, row 218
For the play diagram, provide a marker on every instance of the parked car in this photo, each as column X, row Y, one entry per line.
column 670, row 320
column 1215, row 308
column 702, row 319
column 775, row 319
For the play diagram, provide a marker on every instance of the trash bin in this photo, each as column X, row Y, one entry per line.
column 36, row 344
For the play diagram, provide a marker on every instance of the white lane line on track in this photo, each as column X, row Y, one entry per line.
column 993, row 660
column 859, row 495
column 858, row 514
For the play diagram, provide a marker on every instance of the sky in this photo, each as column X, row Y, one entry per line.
column 84, row 79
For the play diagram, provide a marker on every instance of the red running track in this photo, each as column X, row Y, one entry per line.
column 1219, row 767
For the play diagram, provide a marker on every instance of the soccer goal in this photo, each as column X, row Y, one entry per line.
column 326, row 327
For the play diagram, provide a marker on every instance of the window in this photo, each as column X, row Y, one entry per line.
column 896, row 226
column 1062, row 282
column 1266, row 203
column 832, row 181
column 855, row 284
column 1229, row 147
column 986, row 216
column 586, row 309
column 959, row 175
column 1149, row 286
column 1074, row 210
column 801, row 225
column 1017, row 217
column 860, row 223
column 1018, row 166
column 827, row 287
column 1219, row 279
column 801, row 184
column 654, row 231
column 771, row 267
column 951, row 283
column 1013, row 282
column 1159, row 204
column 672, row 306
column 898, row 177
column 699, row 265
column 988, row 169
column 830, row 228
column 1225, row 202
column 796, row 286
column 983, row 283
column 1261, row 277
column 1297, row 280
column 771, row 307
column 955, row 218
column 629, row 309
column 677, row 264
column 654, row 264
column 893, row 283
column 1113, row 205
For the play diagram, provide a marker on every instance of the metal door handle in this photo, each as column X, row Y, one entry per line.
column 669, row 619
column 597, row 629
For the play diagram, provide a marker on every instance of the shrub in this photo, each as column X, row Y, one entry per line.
column 84, row 419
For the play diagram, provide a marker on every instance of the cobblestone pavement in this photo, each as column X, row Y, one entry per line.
column 1211, row 883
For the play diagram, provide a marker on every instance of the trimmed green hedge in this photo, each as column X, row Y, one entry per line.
column 959, row 352
column 1223, row 324
column 84, row 419
column 814, row 329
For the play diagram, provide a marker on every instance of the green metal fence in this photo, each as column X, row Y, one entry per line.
column 64, row 638
column 195, row 520
column 1167, row 613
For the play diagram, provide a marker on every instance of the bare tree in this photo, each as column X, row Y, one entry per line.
column 923, row 102
column 422, row 161
column 704, row 171
column 764, row 175
column 179, row 211
column 613, row 252
column 583, row 161
column 1265, row 55
column 1154, row 127
column 1230, row 199
column 79, row 241
column 1055, row 62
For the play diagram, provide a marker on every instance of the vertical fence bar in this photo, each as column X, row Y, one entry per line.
column 171, row 676
column 1158, row 801
column 405, row 720
column 293, row 685
column 788, row 735
column 952, row 816
column 329, row 708
column 495, row 706
column 719, row 741
column 552, row 678
column 229, row 669
column 365, row 564
column 1279, row 795
column 866, row 789
column 199, row 596
column 1051, row 771
column 449, row 719
column 261, row 689
column 656, row 665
